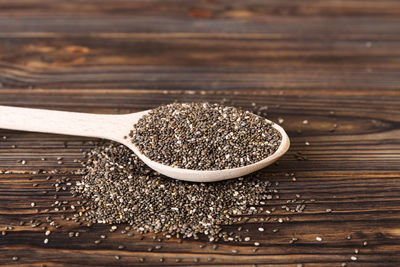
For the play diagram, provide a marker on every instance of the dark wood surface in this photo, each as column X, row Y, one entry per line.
column 328, row 62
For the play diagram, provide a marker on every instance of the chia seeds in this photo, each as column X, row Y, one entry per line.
column 203, row 136
column 119, row 188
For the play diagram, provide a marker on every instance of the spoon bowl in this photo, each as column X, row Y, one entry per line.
column 116, row 128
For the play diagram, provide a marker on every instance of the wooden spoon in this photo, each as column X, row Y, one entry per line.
column 116, row 127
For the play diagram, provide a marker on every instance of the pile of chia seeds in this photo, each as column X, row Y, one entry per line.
column 203, row 136
column 118, row 188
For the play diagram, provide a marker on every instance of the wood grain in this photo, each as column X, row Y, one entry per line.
column 328, row 62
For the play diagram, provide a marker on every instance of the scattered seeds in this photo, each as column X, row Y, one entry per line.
column 144, row 196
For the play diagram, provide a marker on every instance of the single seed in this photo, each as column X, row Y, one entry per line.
column 261, row 229
column 353, row 258
column 46, row 241
column 117, row 257
column 318, row 238
column 15, row 258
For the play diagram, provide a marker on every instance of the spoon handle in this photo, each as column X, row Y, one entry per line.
column 61, row 122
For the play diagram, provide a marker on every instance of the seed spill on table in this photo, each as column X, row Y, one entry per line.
column 203, row 136
column 119, row 188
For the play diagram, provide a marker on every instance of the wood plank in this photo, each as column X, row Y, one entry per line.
column 200, row 9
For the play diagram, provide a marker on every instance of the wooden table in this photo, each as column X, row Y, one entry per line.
column 333, row 63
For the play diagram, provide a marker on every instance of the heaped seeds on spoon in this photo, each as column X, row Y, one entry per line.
column 119, row 188
column 203, row 136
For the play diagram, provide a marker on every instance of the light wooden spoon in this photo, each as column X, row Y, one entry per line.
column 116, row 127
